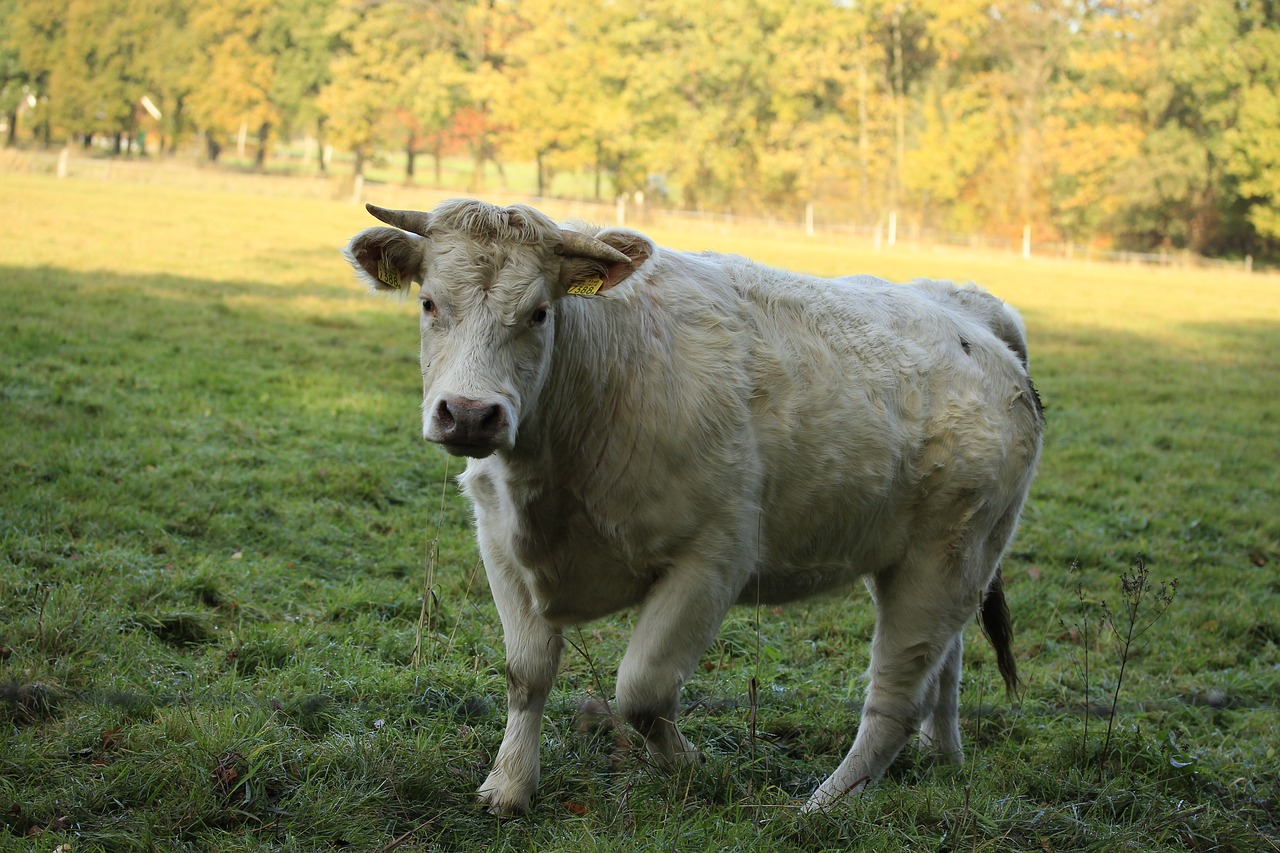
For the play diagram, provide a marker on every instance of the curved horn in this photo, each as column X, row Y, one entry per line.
column 415, row 221
column 577, row 243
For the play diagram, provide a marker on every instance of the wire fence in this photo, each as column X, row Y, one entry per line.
column 884, row 235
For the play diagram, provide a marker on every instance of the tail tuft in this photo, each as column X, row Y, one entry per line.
column 996, row 623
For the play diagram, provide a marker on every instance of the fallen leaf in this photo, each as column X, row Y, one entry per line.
column 1033, row 572
column 576, row 808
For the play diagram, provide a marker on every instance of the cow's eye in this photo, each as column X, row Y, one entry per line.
column 538, row 317
column 428, row 307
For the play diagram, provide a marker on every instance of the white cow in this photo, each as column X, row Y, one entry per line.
column 682, row 432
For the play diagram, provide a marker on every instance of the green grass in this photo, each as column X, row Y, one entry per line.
column 216, row 519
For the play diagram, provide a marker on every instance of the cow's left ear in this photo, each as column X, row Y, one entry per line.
column 386, row 259
column 595, row 264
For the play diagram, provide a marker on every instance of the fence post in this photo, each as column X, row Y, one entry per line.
column 1248, row 263
column 893, row 228
column 1026, row 242
column 808, row 219
column 63, row 156
column 357, row 190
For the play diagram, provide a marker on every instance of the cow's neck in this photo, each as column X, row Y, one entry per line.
column 585, row 407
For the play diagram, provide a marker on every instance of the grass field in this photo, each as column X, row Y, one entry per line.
column 218, row 521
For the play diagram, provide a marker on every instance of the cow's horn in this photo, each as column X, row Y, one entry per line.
column 577, row 243
column 415, row 221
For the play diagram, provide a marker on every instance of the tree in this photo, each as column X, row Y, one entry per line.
column 232, row 80
column 560, row 99
column 1252, row 145
column 1097, row 120
column 14, row 79
column 35, row 34
column 1202, row 178
column 297, row 36
column 830, row 121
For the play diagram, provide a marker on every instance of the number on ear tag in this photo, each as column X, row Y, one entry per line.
column 388, row 274
column 590, row 287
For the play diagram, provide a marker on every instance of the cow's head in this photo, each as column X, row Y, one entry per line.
column 491, row 278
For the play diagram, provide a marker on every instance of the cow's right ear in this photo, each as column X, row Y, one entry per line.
column 387, row 260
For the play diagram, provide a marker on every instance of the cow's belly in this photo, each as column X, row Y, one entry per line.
column 780, row 584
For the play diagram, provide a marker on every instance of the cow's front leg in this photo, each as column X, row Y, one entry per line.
column 533, row 657
column 678, row 621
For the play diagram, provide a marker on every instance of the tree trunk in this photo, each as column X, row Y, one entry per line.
column 599, row 156
column 260, row 156
column 212, row 148
column 864, row 144
column 541, row 184
column 11, row 139
column 324, row 168
column 359, row 164
column 410, row 152
column 899, row 108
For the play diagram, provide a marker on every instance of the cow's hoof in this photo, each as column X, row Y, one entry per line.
column 505, row 796
column 832, row 792
column 498, row 803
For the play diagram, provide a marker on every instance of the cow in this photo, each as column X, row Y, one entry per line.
column 676, row 433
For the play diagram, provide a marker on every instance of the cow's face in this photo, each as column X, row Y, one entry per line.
column 488, row 303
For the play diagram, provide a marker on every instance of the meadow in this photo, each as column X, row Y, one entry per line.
column 241, row 607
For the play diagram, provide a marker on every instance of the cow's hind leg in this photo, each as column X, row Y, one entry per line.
column 940, row 731
column 920, row 618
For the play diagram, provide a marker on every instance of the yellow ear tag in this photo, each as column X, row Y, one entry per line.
column 590, row 287
column 388, row 274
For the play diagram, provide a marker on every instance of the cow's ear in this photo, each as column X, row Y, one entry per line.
column 387, row 260
column 596, row 264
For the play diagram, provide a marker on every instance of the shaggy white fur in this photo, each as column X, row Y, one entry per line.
column 704, row 431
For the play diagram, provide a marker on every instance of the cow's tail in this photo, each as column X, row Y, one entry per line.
column 998, row 627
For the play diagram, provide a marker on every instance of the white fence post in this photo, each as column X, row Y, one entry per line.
column 808, row 219
column 893, row 228
column 63, row 156
column 1026, row 242
column 357, row 191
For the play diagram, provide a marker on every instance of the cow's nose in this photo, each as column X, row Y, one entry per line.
column 467, row 423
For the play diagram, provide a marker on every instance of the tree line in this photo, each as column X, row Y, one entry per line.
column 1142, row 124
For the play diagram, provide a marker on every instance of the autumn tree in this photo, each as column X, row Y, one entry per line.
column 233, row 76
column 559, row 104
column 297, row 35
column 15, row 82
column 1097, row 119
column 33, row 38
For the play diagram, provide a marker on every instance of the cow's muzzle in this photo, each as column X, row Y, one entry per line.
column 467, row 427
